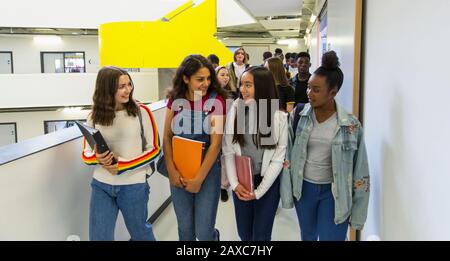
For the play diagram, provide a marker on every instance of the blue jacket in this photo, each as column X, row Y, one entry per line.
column 350, row 186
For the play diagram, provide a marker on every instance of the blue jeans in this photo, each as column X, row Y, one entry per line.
column 255, row 218
column 196, row 212
column 315, row 212
column 131, row 200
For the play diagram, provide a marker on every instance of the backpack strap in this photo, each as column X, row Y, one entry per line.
column 297, row 111
column 144, row 141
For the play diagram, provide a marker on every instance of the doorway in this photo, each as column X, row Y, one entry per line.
column 8, row 133
column 6, row 63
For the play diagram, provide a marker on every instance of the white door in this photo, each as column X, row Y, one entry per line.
column 5, row 62
column 7, row 133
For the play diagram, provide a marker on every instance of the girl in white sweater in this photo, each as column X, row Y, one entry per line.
column 261, row 135
column 130, row 131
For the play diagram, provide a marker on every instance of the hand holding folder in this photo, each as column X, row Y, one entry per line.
column 187, row 156
column 244, row 171
column 94, row 137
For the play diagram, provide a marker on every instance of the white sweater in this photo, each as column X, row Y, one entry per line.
column 124, row 140
column 272, row 158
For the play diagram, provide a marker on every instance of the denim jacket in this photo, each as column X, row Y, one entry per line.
column 350, row 186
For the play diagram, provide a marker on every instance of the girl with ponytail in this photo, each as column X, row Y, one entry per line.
column 328, row 177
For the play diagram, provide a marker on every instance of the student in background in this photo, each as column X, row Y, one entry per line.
column 329, row 174
column 266, row 55
column 195, row 201
column 300, row 80
column 223, row 77
column 255, row 210
column 214, row 60
column 279, row 53
column 286, row 64
column 122, row 186
column 237, row 67
column 285, row 91
column 292, row 67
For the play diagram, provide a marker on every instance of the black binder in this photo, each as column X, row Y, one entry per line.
column 94, row 137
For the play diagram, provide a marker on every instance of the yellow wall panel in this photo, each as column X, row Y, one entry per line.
column 164, row 43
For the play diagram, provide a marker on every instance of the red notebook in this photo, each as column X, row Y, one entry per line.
column 244, row 171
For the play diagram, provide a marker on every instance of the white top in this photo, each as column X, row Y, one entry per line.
column 273, row 159
column 124, row 140
column 318, row 166
column 238, row 71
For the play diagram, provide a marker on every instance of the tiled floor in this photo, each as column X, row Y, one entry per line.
column 285, row 227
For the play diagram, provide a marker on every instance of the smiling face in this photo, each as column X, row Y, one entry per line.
column 199, row 81
column 247, row 87
column 318, row 92
column 123, row 92
column 223, row 76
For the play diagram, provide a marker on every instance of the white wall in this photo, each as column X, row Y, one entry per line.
column 27, row 53
column 406, row 119
column 85, row 14
column 45, row 195
column 314, row 47
column 31, row 124
column 45, row 90
column 341, row 39
column 65, row 89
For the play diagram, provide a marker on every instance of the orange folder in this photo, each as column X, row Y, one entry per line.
column 187, row 156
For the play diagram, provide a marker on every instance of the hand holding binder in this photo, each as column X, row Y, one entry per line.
column 94, row 137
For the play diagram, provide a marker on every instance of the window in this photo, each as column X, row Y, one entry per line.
column 52, row 126
column 6, row 63
column 63, row 62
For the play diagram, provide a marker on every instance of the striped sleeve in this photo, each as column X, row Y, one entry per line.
column 153, row 148
column 88, row 155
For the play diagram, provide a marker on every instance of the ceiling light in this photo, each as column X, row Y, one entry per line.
column 71, row 110
column 290, row 42
column 47, row 39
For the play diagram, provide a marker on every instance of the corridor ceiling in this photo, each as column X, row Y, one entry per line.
column 275, row 19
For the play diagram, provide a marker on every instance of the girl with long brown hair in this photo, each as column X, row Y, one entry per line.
column 119, row 181
column 259, row 132
column 195, row 111
column 286, row 92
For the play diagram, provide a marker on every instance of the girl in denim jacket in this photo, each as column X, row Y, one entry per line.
column 329, row 177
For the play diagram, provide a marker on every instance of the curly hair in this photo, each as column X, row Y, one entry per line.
column 190, row 65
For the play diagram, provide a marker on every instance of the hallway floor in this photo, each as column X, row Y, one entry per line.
column 285, row 226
